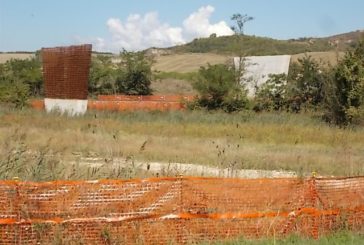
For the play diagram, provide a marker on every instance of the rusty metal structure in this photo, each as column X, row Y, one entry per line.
column 180, row 210
column 66, row 71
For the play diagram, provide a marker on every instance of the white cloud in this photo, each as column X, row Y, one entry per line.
column 139, row 32
column 198, row 24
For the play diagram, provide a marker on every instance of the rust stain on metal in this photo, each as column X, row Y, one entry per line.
column 66, row 71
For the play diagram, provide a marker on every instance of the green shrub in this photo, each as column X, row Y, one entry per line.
column 219, row 89
column 345, row 94
column 271, row 96
column 102, row 76
column 134, row 74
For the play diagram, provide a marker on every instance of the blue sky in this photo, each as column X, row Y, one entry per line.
column 115, row 24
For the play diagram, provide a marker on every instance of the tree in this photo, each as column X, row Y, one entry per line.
column 26, row 71
column 134, row 73
column 240, row 21
column 272, row 94
column 306, row 83
column 20, row 79
column 345, row 95
column 219, row 90
column 238, row 28
column 102, row 76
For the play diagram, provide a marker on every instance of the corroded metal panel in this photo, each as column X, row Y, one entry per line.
column 66, row 71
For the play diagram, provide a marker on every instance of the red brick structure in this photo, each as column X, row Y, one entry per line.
column 66, row 71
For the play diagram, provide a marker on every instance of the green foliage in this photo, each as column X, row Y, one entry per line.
column 271, row 96
column 251, row 45
column 102, row 76
column 240, row 21
column 20, row 79
column 305, row 87
column 308, row 81
column 14, row 92
column 134, row 74
column 345, row 95
column 219, row 89
column 337, row 238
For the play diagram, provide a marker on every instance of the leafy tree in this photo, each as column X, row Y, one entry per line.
column 26, row 71
column 306, row 83
column 102, row 76
column 240, row 21
column 272, row 95
column 219, row 89
column 14, row 92
column 345, row 95
column 20, row 79
column 134, row 74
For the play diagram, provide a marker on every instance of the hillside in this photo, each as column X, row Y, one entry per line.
column 345, row 40
column 253, row 45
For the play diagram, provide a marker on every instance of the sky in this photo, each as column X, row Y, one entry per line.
column 113, row 25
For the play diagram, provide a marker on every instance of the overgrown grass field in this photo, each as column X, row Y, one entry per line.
column 246, row 140
column 339, row 238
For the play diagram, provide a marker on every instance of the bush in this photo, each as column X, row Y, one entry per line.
column 306, row 82
column 271, row 96
column 134, row 74
column 14, row 92
column 102, row 76
column 20, row 79
column 219, row 89
column 345, row 95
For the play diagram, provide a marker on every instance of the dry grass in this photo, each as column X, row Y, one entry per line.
column 191, row 62
column 187, row 62
column 172, row 86
column 5, row 57
column 258, row 141
column 330, row 57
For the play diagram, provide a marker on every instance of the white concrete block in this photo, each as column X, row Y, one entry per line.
column 258, row 69
column 68, row 106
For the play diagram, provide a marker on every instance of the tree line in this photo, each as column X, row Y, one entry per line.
column 336, row 91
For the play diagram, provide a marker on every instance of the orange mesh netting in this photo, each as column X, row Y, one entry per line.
column 141, row 102
column 177, row 210
column 131, row 103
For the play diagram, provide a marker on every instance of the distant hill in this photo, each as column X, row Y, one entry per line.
column 253, row 45
column 345, row 40
column 249, row 45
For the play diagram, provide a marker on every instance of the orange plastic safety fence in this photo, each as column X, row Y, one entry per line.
column 132, row 103
column 177, row 210
column 37, row 104
column 166, row 98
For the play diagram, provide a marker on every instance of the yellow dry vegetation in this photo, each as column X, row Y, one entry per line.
column 7, row 56
column 187, row 62
column 330, row 57
column 240, row 141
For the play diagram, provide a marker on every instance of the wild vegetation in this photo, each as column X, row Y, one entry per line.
column 244, row 140
column 20, row 79
column 339, row 238
column 219, row 88
column 252, row 45
column 335, row 91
